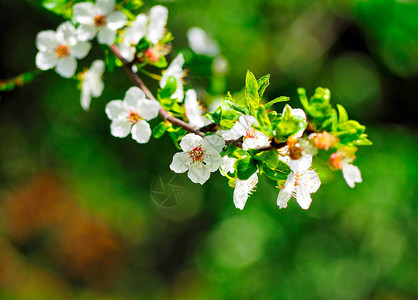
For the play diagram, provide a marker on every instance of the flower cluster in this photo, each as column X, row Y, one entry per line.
column 242, row 137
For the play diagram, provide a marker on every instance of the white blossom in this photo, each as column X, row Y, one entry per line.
column 193, row 110
column 175, row 69
column 131, row 114
column 152, row 27
column 99, row 19
column 200, row 157
column 60, row 49
column 243, row 189
column 351, row 174
column 300, row 183
column 92, row 83
column 201, row 43
column 252, row 138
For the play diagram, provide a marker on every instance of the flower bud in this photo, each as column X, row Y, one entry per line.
column 324, row 140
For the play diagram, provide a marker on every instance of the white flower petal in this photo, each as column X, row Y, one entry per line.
column 84, row 13
column 198, row 173
column 148, row 109
column 106, row 36
column 174, row 69
column 97, row 67
column 46, row 40
column 213, row 142
column 136, row 31
column 105, row 6
column 242, row 190
column 116, row 20
column 228, row 164
column 286, row 193
column 302, row 164
column 127, row 51
column 86, row 32
column 46, row 60
column 310, row 181
column 200, row 43
column 259, row 141
column 351, row 174
column 212, row 161
column 181, row 162
column 240, row 198
column 120, row 128
column 303, row 197
column 80, row 50
column 115, row 110
column 190, row 141
column 66, row 67
column 66, row 34
column 157, row 20
column 193, row 111
column 132, row 97
column 141, row 132
column 85, row 98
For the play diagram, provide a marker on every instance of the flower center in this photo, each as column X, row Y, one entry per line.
column 197, row 154
column 251, row 133
column 100, row 20
column 62, row 51
column 134, row 117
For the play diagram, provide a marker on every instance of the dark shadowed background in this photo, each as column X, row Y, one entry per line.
column 79, row 218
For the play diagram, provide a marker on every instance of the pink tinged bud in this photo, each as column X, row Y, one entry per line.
column 325, row 140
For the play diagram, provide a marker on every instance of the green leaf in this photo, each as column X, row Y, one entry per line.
column 160, row 129
column 277, row 100
column 264, row 121
column 342, row 114
column 263, row 83
column 268, row 158
column 279, row 173
column 237, row 107
column 169, row 88
column 226, row 124
column 303, row 99
column 245, row 167
column 56, row 6
column 251, row 93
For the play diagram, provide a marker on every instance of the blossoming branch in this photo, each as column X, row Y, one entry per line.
column 242, row 137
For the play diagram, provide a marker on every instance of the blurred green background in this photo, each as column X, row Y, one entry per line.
column 76, row 213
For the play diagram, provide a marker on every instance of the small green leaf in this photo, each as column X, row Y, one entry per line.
column 277, row 100
column 169, row 88
column 160, row 129
column 226, row 124
column 264, row 121
column 342, row 114
column 263, row 83
column 237, row 107
column 251, row 92
column 245, row 167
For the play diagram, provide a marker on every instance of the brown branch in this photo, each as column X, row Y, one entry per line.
column 139, row 83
